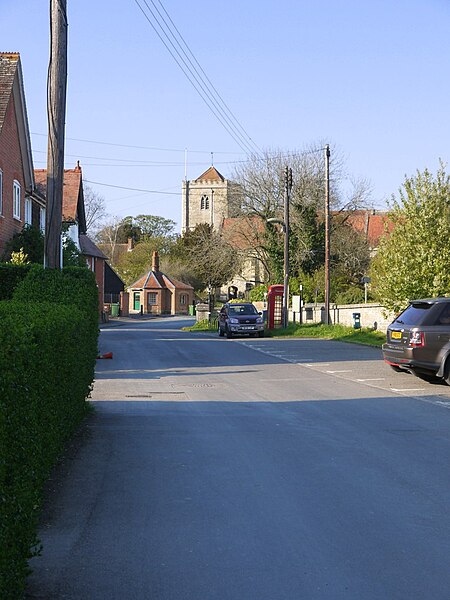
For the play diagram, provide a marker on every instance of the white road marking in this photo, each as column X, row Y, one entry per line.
column 341, row 371
column 408, row 390
column 373, row 379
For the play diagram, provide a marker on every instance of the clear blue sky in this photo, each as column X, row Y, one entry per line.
column 370, row 77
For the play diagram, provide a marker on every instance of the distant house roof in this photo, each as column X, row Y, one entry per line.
column 11, row 86
column 73, row 200
column 88, row 247
column 370, row 223
column 244, row 232
column 211, row 174
column 156, row 279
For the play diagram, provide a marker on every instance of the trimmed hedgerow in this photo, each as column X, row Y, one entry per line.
column 73, row 286
column 47, row 362
column 10, row 276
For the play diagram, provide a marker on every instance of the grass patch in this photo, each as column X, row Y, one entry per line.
column 365, row 336
column 204, row 325
column 341, row 333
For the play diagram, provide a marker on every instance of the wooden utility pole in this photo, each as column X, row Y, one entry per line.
column 327, row 235
column 287, row 195
column 56, row 111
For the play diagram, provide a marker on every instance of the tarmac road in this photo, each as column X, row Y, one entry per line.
column 249, row 469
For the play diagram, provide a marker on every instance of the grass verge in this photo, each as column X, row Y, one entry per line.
column 365, row 336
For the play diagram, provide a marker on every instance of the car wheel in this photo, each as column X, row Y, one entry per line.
column 221, row 331
column 447, row 371
column 228, row 333
column 260, row 333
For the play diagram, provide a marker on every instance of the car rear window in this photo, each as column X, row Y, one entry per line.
column 415, row 314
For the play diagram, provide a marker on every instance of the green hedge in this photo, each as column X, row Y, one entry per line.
column 47, row 362
column 10, row 276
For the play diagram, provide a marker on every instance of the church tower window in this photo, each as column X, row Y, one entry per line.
column 204, row 202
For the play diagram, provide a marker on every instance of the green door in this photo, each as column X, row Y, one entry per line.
column 137, row 300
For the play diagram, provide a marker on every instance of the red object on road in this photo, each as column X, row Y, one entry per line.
column 107, row 355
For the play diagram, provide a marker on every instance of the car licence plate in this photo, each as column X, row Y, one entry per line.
column 396, row 335
column 247, row 327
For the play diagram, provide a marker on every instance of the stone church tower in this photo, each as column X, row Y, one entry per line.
column 209, row 199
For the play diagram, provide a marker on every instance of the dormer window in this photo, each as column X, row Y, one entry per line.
column 204, row 202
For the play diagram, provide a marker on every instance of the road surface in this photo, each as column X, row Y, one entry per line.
column 249, row 469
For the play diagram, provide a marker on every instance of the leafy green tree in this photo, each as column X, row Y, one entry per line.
column 132, row 265
column 30, row 241
column 413, row 261
column 210, row 258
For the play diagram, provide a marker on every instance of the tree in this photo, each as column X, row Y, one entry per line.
column 210, row 257
column 132, row 265
column 143, row 228
column 30, row 241
column 262, row 186
column 413, row 261
column 95, row 210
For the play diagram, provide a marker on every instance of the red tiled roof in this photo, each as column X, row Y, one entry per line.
column 71, row 190
column 243, row 233
column 8, row 67
column 156, row 279
column 211, row 174
column 372, row 224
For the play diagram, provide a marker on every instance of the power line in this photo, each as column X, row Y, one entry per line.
column 195, row 79
column 140, row 147
column 120, row 187
column 238, row 128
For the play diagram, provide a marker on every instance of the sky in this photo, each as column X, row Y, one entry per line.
column 369, row 78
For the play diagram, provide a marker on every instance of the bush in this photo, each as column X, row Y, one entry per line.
column 10, row 276
column 47, row 362
column 73, row 286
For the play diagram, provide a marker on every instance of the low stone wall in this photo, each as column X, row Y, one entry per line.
column 371, row 315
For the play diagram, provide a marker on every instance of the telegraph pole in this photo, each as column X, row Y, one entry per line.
column 327, row 234
column 287, row 195
column 56, row 111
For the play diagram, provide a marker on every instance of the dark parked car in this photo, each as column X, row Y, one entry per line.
column 418, row 340
column 240, row 318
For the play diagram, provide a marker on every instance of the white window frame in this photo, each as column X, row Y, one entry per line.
column 28, row 211
column 17, row 193
column 42, row 216
column 1, row 192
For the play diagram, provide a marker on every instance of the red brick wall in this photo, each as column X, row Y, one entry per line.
column 12, row 168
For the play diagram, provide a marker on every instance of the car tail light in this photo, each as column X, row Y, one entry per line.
column 417, row 339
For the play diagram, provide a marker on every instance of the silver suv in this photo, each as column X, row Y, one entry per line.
column 240, row 318
column 418, row 340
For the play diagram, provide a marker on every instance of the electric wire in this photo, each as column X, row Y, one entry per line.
column 238, row 127
column 192, row 78
column 140, row 147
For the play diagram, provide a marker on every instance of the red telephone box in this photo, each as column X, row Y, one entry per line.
column 275, row 306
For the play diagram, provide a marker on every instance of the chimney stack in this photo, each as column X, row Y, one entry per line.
column 155, row 261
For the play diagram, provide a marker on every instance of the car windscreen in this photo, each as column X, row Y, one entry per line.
column 242, row 310
column 415, row 314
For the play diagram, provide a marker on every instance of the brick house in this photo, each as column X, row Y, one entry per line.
column 159, row 294
column 20, row 202
column 74, row 221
